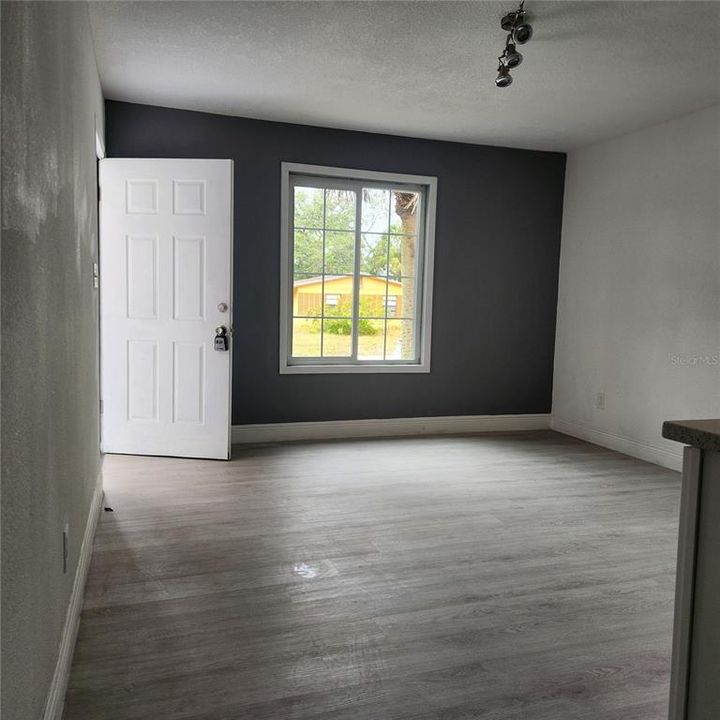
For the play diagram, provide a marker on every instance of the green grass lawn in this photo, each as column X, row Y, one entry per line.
column 306, row 342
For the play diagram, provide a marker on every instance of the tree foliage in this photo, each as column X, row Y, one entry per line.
column 334, row 211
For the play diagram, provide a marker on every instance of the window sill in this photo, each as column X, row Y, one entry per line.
column 353, row 369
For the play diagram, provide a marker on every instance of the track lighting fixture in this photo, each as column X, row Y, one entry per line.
column 519, row 32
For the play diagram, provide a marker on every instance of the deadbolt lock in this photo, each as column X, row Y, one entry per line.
column 221, row 338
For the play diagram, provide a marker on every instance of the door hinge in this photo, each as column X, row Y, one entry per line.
column 102, row 407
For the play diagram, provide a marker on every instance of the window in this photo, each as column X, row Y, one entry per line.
column 356, row 275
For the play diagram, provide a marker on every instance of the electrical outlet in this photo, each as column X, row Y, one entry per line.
column 600, row 401
column 66, row 545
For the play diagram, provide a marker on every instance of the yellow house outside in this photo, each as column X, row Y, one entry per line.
column 307, row 296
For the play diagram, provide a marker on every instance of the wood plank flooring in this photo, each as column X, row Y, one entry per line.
column 500, row 577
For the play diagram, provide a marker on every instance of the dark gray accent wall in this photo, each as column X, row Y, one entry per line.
column 496, row 264
column 50, row 464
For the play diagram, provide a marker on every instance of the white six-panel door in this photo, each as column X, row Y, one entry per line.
column 165, row 285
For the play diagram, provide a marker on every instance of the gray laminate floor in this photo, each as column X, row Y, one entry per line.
column 498, row 577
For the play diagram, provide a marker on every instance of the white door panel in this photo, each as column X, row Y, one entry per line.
column 165, row 267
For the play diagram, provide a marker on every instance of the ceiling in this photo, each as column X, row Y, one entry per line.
column 593, row 70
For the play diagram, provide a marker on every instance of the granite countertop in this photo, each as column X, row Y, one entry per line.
column 703, row 434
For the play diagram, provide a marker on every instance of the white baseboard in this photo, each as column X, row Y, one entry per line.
column 58, row 686
column 665, row 457
column 386, row 427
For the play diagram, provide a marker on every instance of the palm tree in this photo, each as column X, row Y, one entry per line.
column 406, row 204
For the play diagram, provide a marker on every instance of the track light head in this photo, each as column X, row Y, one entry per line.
column 522, row 33
column 511, row 57
column 504, row 78
column 508, row 21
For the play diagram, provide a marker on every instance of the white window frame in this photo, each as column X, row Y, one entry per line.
column 426, row 243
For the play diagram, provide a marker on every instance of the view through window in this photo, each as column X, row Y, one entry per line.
column 357, row 267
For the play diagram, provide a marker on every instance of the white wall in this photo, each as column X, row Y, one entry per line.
column 639, row 295
column 49, row 405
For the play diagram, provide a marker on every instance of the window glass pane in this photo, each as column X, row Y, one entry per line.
column 337, row 337
column 374, row 254
column 375, row 210
column 339, row 291
column 405, row 209
column 340, row 209
column 371, row 339
column 308, row 251
column 372, row 297
column 403, row 255
column 309, row 207
column 307, row 294
column 338, row 305
column 305, row 337
column 400, row 343
column 339, row 252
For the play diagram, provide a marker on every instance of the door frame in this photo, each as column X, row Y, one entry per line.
column 100, row 154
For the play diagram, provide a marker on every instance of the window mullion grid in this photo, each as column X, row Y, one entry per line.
column 356, row 274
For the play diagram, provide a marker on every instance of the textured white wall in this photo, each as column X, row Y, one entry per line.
column 50, row 458
column 639, row 295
